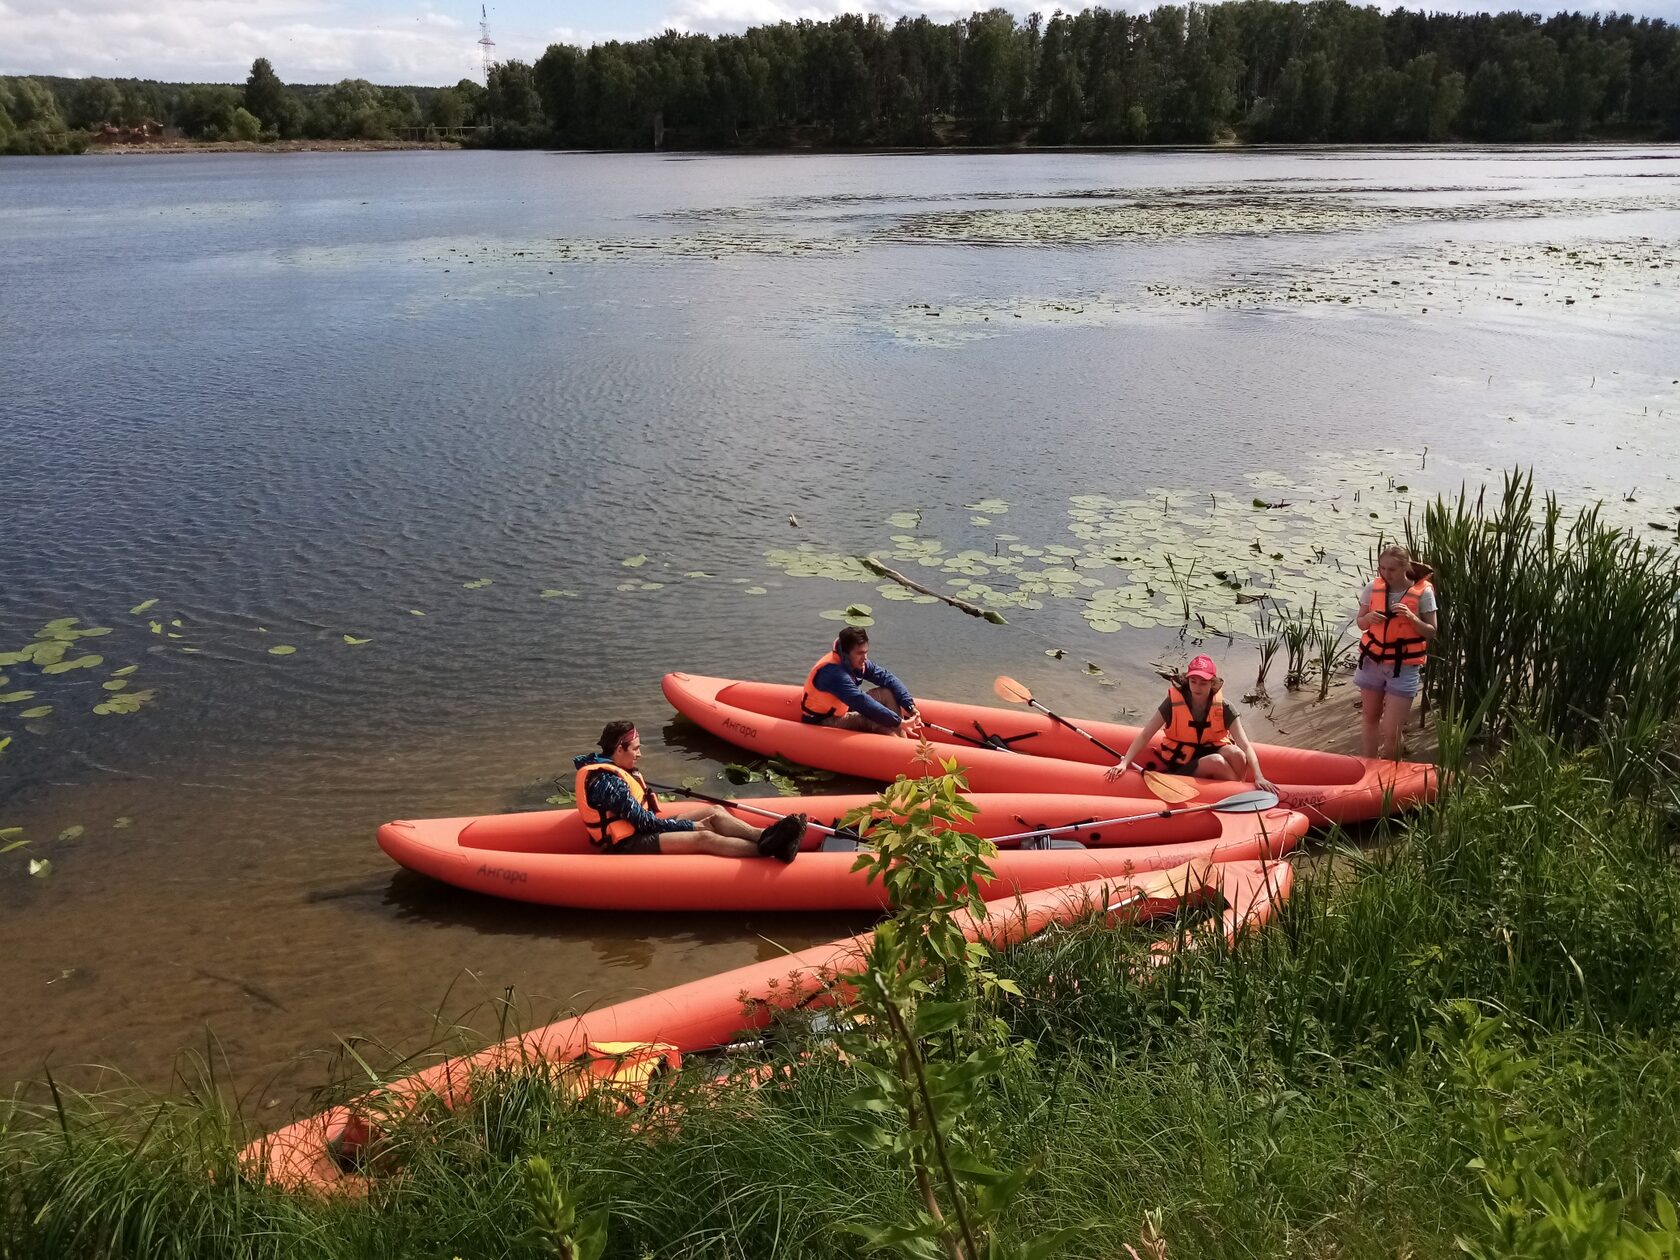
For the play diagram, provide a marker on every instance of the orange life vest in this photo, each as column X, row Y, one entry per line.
column 1183, row 734
column 816, row 703
column 604, row 830
column 1392, row 641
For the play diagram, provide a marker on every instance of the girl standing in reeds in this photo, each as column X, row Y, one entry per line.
column 1397, row 622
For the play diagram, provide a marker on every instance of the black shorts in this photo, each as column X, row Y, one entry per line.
column 1189, row 767
column 642, row 844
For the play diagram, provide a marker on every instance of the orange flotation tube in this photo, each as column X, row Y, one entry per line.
column 545, row 857
column 1044, row 757
column 708, row 1013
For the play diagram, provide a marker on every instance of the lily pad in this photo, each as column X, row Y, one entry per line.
column 122, row 823
column 40, row 868
column 49, row 652
column 754, row 590
column 72, row 833
column 415, row 612
column 552, row 593
column 858, row 610
column 115, row 684
column 697, row 573
column 353, row 641
column 142, row 606
column 1055, row 653
column 80, row 662
column 39, row 711
column 125, row 702
column 16, row 697
column 124, row 672
column 633, row 562
column 281, row 649
column 905, row 520
column 992, row 507
column 1091, row 668
column 477, row 584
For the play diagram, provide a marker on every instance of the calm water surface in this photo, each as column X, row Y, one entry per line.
column 292, row 398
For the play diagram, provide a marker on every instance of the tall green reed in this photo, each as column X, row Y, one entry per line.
column 1567, row 622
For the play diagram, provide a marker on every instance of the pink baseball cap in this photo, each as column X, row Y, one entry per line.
column 1202, row 667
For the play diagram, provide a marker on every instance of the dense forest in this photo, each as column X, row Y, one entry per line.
column 1253, row 70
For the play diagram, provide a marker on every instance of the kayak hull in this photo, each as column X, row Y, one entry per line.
column 764, row 718
column 708, row 1013
column 545, row 857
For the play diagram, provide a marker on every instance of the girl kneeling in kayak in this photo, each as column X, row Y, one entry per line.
column 621, row 813
column 1397, row 613
column 1203, row 735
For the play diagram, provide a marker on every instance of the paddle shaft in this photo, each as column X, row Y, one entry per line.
column 1105, row 822
column 978, row 743
column 1057, row 717
column 742, row 806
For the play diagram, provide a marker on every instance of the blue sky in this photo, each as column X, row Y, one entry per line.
column 405, row 41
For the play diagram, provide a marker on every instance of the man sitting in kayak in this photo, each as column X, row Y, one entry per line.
column 1204, row 736
column 621, row 813
column 832, row 696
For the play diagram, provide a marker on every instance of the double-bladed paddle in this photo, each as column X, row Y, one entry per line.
column 1167, row 787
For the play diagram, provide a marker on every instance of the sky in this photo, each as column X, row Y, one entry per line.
column 427, row 41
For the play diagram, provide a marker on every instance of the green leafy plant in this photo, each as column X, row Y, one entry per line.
column 557, row 1226
column 921, row 1035
column 1533, row 1205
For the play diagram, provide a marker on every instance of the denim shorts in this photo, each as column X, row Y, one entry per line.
column 1371, row 676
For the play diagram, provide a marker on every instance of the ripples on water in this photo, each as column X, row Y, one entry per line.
column 293, row 398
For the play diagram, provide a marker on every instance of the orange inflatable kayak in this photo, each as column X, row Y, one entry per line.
column 545, row 857
column 706, row 1014
column 1044, row 757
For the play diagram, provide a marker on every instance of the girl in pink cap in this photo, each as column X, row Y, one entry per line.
column 1201, row 734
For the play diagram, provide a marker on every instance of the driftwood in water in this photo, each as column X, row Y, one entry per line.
column 962, row 605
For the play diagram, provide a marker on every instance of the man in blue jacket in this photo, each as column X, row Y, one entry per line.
column 833, row 696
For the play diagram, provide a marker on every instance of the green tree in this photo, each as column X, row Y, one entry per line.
column 205, row 110
column 447, row 109
column 95, row 101
column 512, row 97
column 265, row 95
column 244, row 125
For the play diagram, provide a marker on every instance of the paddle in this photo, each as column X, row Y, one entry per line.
column 1166, row 786
column 1236, row 803
column 1177, row 881
column 989, row 741
column 748, row 809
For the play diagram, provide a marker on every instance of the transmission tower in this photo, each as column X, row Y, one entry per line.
column 484, row 40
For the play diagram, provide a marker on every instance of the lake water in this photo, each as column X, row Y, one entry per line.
column 435, row 401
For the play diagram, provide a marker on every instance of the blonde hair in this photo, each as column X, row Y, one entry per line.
column 1415, row 569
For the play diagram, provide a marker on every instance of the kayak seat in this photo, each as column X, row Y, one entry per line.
column 838, row 844
column 1050, row 842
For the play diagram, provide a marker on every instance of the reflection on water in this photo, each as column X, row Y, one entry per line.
column 339, row 404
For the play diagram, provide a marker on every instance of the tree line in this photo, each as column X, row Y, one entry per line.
column 1261, row 70
column 52, row 115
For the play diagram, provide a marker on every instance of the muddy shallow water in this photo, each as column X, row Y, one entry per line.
column 491, row 441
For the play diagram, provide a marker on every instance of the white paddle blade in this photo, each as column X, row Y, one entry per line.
column 1006, row 688
column 1246, row 803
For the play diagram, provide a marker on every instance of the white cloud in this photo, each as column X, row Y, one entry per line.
column 309, row 41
